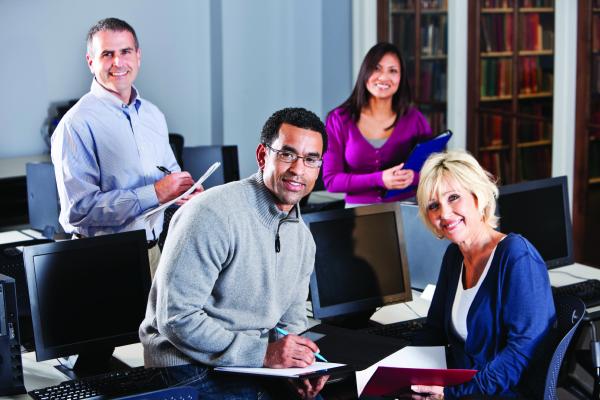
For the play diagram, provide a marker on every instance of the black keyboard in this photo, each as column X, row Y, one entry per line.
column 105, row 386
column 588, row 291
column 400, row 330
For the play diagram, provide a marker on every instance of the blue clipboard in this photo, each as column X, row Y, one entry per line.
column 419, row 154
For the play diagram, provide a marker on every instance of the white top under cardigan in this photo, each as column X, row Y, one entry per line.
column 464, row 298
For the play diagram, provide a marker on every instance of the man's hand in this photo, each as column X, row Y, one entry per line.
column 187, row 198
column 310, row 388
column 172, row 186
column 290, row 351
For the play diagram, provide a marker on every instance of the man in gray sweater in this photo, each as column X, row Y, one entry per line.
column 236, row 264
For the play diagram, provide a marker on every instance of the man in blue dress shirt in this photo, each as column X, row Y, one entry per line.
column 107, row 147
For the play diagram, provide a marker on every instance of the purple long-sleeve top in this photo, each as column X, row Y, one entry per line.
column 353, row 166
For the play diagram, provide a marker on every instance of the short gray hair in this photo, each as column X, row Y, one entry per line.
column 464, row 169
column 110, row 24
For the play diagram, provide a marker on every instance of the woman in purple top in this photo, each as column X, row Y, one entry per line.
column 371, row 134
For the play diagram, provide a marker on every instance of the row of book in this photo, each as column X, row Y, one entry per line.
column 496, row 32
column 403, row 5
column 496, row 77
column 537, row 32
column 433, row 81
column 594, row 159
column 537, row 3
column 497, row 164
column 497, row 74
column 497, row 3
column 594, row 143
column 596, row 74
column 434, row 38
column 596, row 32
column 494, row 130
column 436, row 119
column 534, row 130
column 533, row 78
column 534, row 163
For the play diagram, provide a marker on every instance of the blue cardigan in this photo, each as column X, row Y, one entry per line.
column 510, row 316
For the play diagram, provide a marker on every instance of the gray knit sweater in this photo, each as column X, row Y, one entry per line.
column 220, row 286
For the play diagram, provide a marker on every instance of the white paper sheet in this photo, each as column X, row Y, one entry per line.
column 285, row 372
column 13, row 236
column 33, row 233
column 151, row 216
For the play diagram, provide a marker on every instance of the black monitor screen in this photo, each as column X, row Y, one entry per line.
column 87, row 293
column 359, row 264
column 539, row 211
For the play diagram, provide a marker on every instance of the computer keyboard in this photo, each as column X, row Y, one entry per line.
column 401, row 330
column 588, row 291
column 105, row 386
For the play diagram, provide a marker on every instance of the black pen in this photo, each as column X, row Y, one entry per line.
column 163, row 169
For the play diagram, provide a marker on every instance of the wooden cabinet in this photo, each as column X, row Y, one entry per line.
column 420, row 30
column 509, row 97
column 586, row 185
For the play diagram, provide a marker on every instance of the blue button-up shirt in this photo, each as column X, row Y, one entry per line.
column 105, row 155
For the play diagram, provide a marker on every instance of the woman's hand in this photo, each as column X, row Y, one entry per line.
column 430, row 392
column 397, row 178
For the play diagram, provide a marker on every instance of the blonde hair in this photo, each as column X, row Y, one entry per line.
column 461, row 167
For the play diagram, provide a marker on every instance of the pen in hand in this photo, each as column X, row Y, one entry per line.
column 285, row 333
column 163, row 169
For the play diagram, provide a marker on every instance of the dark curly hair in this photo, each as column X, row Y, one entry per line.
column 110, row 24
column 298, row 117
column 359, row 98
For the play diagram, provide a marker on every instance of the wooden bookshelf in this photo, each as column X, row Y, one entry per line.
column 509, row 100
column 586, row 185
column 420, row 30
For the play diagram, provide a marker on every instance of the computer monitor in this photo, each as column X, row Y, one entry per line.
column 424, row 250
column 87, row 296
column 360, row 262
column 539, row 211
column 196, row 160
column 42, row 199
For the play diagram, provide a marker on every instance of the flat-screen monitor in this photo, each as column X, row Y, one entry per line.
column 196, row 160
column 539, row 211
column 424, row 250
column 87, row 296
column 42, row 199
column 360, row 261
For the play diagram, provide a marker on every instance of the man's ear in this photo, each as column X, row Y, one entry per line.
column 261, row 155
column 90, row 61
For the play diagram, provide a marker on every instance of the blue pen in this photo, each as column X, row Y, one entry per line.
column 285, row 333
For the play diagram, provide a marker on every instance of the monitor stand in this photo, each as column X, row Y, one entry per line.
column 357, row 320
column 91, row 363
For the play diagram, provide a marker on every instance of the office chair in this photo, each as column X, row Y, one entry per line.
column 172, row 393
column 570, row 311
column 176, row 142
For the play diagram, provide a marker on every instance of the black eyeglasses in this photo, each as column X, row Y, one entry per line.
column 289, row 157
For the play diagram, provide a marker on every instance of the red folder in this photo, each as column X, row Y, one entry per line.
column 389, row 381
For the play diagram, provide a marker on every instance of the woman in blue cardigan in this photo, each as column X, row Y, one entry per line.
column 493, row 304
